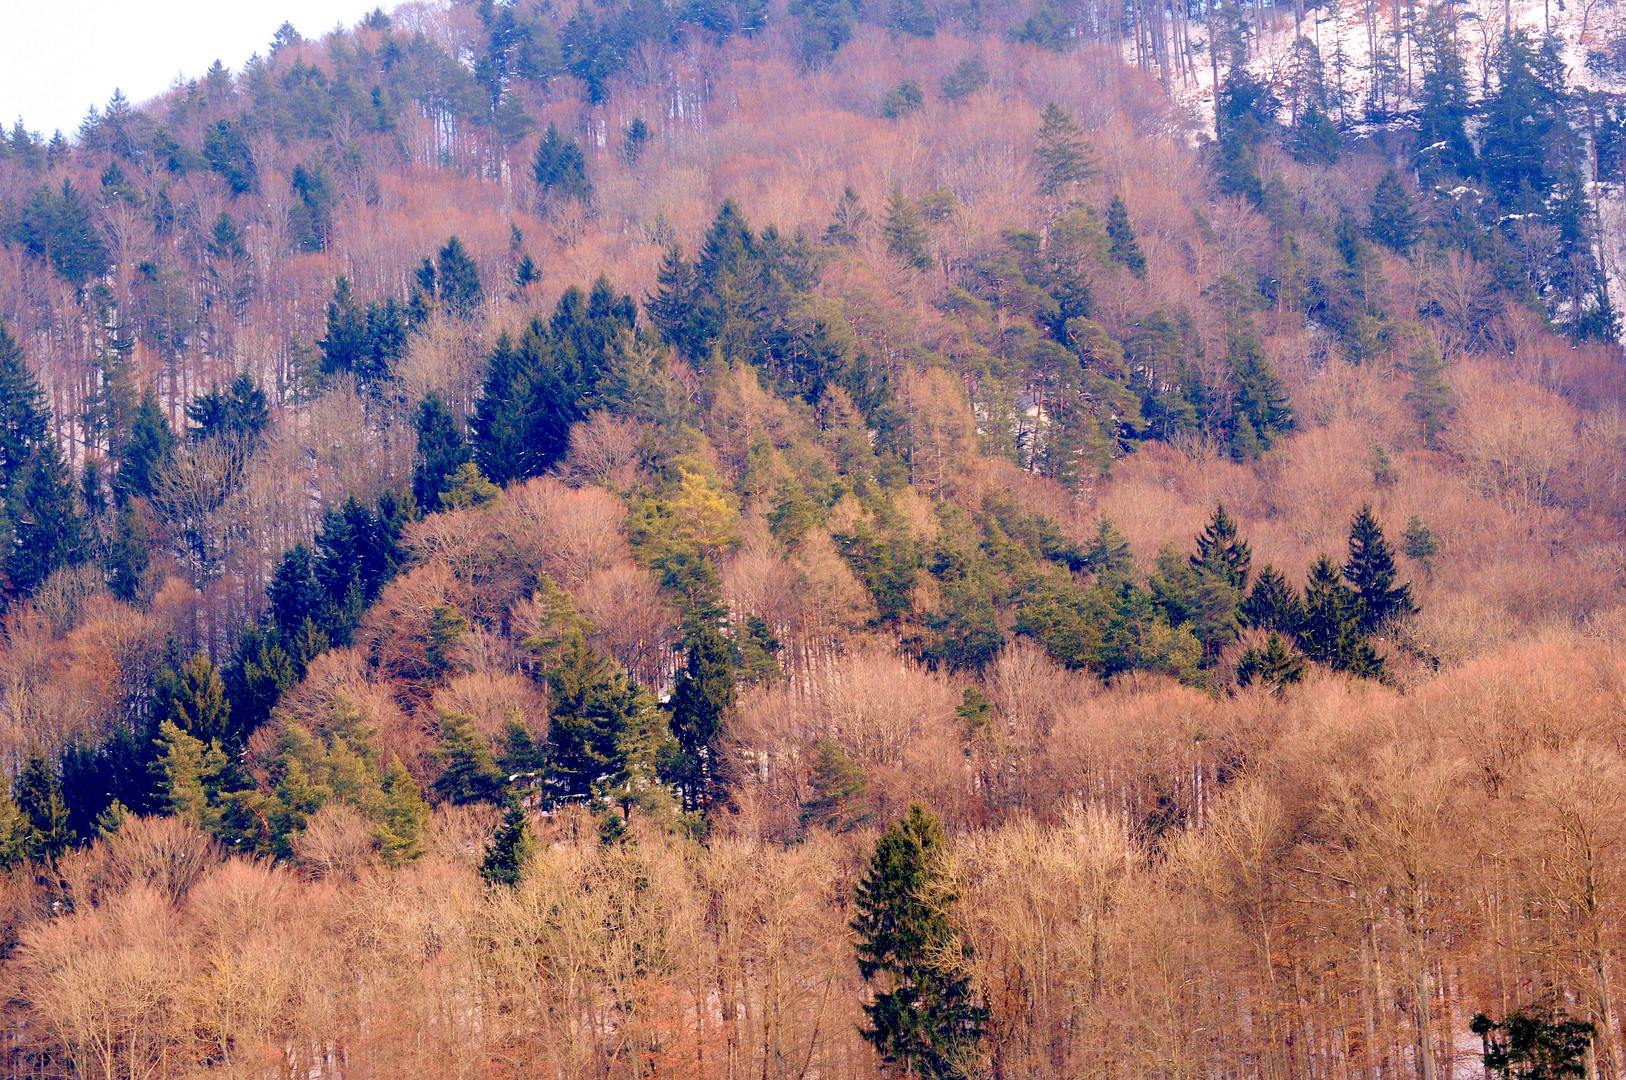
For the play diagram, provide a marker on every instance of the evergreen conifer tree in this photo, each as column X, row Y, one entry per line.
column 1371, row 570
column 1315, row 138
column 914, row 17
column 1331, row 631
column 1275, row 665
column 1220, row 553
column 906, row 235
column 194, row 700
column 401, row 815
column 1393, row 220
column 41, row 832
column 42, row 530
column 903, row 99
column 595, row 708
column 1260, row 410
column 929, row 1024
column 458, row 279
column 1108, row 554
column 468, row 772
column 1272, row 604
column 239, row 411
column 145, row 451
column 509, row 850
column 442, row 449
column 1063, row 155
column 1124, row 247
column 840, row 799
column 560, row 168
column 701, row 703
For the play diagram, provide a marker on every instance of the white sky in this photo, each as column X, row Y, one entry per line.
column 59, row 57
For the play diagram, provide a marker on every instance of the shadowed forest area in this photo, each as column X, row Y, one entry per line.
column 721, row 539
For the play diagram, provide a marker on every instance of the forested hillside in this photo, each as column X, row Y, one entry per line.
column 738, row 540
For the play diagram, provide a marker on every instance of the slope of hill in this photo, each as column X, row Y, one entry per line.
column 727, row 541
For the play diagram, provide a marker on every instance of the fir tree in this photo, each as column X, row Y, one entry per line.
column 442, row 449
column 1124, row 247
column 701, row 703
column 47, row 532
column 144, row 452
column 1260, row 410
column 41, row 831
column 468, row 772
column 906, row 235
column 1108, row 554
column 1331, row 632
column 560, row 168
column 1220, row 553
column 457, row 279
column 1272, row 604
column 1063, row 155
column 929, row 1023
column 595, row 708
column 1275, row 665
column 1371, row 570
column 509, row 850
column 239, row 411
column 401, row 816
column 1446, row 103
column 1393, row 221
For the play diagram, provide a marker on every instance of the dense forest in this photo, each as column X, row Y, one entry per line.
column 918, row 538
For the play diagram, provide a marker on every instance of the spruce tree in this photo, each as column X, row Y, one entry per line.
column 929, row 1023
column 509, row 850
column 1124, row 247
column 345, row 345
column 1272, row 604
column 43, row 814
column 906, row 235
column 1315, row 138
column 42, row 530
column 1430, row 395
column 1063, row 155
column 560, row 168
column 238, row 411
column 1274, row 666
column 1393, row 220
column 595, row 708
column 1220, row 553
column 145, row 451
column 1371, row 570
column 458, row 279
column 442, row 449
column 1260, row 410
column 701, row 703
column 468, row 772
column 1331, row 631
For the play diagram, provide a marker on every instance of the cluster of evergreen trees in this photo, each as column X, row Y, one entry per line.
column 1502, row 175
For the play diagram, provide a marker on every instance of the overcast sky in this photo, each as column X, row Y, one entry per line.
column 59, row 57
